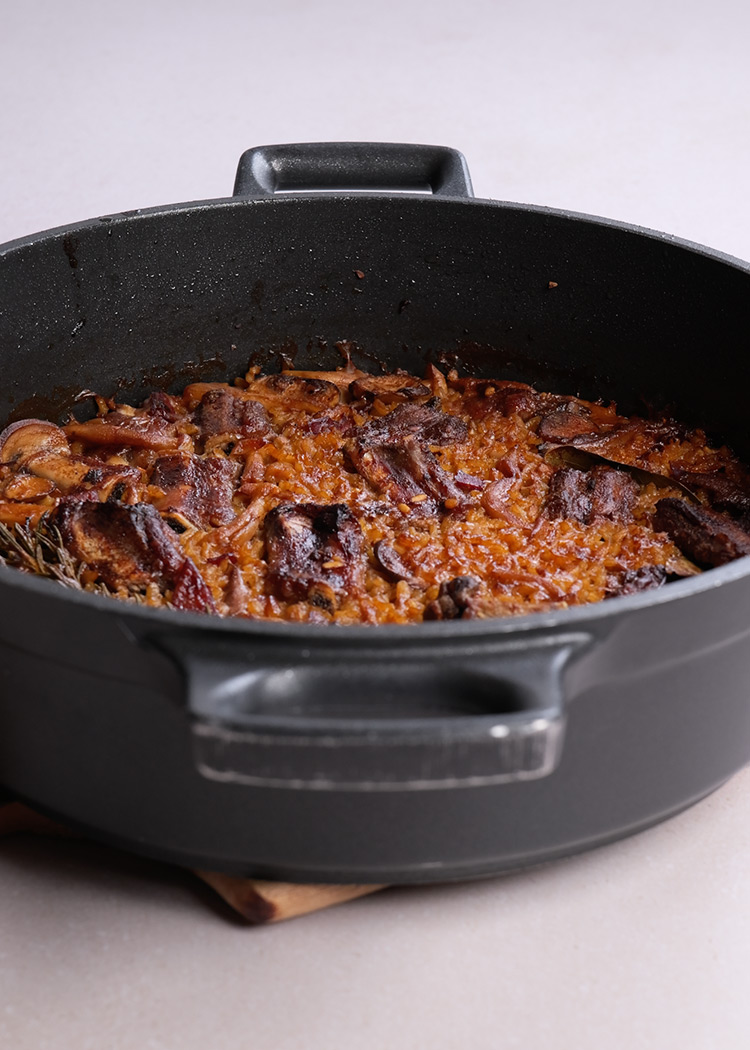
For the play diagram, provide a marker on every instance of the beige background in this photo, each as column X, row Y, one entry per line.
column 639, row 111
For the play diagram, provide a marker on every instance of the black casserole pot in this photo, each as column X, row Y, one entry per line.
column 372, row 754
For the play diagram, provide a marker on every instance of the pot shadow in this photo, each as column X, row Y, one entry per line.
column 60, row 864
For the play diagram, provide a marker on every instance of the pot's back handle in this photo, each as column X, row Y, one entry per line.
column 293, row 167
column 375, row 720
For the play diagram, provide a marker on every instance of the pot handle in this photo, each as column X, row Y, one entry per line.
column 375, row 720
column 266, row 170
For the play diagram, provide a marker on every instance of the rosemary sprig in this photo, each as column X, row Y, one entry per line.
column 40, row 550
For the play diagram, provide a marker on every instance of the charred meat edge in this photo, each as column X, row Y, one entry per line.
column 584, row 496
column 130, row 546
column 314, row 552
column 706, row 536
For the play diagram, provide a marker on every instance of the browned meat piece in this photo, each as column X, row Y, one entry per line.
column 389, row 389
column 223, row 412
column 468, row 481
column 389, row 562
column 635, row 580
column 199, row 489
column 613, row 494
column 568, row 495
column 392, row 453
column 408, row 473
column 724, row 492
column 108, row 481
column 519, row 399
column 295, row 393
column 190, row 591
column 563, row 419
column 127, row 545
column 705, row 536
column 338, row 420
column 454, row 601
column 426, row 422
column 130, row 546
column 565, row 424
column 165, row 406
column 585, row 495
column 119, row 429
column 314, row 552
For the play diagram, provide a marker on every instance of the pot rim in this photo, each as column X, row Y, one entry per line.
column 570, row 618
column 410, row 199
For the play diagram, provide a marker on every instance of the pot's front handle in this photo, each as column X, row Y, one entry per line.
column 293, row 167
column 375, row 719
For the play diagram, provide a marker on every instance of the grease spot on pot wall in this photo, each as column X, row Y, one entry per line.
column 70, row 247
column 257, row 293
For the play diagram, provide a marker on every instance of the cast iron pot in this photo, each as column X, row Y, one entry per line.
column 372, row 754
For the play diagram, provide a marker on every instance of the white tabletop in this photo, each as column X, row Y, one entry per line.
column 637, row 111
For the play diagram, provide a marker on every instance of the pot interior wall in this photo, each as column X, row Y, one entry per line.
column 129, row 303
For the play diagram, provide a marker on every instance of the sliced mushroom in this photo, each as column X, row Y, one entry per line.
column 194, row 393
column 69, row 472
column 295, row 393
column 495, row 499
column 117, row 428
column 390, row 564
column 341, row 377
column 24, row 487
column 42, row 449
column 390, row 389
column 28, row 437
